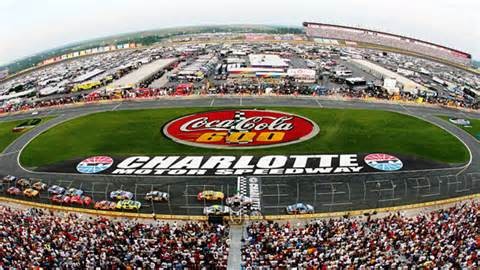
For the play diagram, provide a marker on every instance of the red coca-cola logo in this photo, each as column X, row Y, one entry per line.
column 240, row 129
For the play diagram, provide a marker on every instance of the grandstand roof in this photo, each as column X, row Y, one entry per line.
column 145, row 71
column 408, row 84
column 306, row 24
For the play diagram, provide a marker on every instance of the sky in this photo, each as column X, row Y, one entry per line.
column 32, row 26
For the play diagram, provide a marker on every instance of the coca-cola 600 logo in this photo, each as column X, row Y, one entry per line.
column 240, row 129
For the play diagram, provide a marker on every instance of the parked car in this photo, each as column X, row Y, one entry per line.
column 60, row 199
column 217, row 210
column 56, row 190
column 81, row 200
column 210, row 195
column 300, row 208
column 239, row 201
column 105, row 205
column 9, row 179
column 157, row 196
column 128, row 205
column 121, row 195
column 30, row 192
column 39, row 186
column 74, row 192
column 15, row 191
column 23, row 183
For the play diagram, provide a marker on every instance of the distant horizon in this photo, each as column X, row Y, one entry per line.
column 122, row 34
column 30, row 27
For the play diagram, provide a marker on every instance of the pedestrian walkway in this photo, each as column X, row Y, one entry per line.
column 235, row 253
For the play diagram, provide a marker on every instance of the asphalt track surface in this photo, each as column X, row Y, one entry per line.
column 326, row 193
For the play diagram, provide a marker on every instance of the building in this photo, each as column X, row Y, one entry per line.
column 406, row 85
column 267, row 61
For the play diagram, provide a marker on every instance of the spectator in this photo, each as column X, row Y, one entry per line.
column 36, row 238
column 447, row 239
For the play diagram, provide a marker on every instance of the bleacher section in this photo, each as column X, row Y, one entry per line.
column 351, row 34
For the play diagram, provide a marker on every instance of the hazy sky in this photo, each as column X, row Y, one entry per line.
column 31, row 26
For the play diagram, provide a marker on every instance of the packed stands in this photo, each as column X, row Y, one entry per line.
column 328, row 31
column 444, row 239
column 34, row 238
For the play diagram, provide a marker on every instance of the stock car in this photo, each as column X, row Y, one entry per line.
column 39, row 185
column 128, row 205
column 300, row 208
column 105, row 205
column 9, row 179
column 81, row 200
column 30, row 192
column 14, row 191
column 239, row 200
column 121, row 195
column 57, row 190
column 60, row 199
column 217, row 210
column 23, row 183
column 74, row 192
column 210, row 195
column 157, row 196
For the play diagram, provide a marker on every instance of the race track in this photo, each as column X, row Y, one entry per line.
column 326, row 192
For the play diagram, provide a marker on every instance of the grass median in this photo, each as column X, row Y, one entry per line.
column 139, row 132
column 7, row 136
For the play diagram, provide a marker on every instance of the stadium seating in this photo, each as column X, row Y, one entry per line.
column 36, row 238
column 373, row 37
column 447, row 239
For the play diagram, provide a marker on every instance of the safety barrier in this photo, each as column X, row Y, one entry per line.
column 252, row 218
column 102, row 212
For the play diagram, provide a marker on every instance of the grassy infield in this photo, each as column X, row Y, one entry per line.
column 124, row 133
column 474, row 130
column 6, row 134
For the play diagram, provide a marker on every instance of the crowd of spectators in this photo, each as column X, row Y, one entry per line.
column 444, row 239
column 231, row 89
column 39, row 239
column 359, row 35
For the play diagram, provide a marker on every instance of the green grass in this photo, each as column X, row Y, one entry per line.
column 6, row 134
column 474, row 130
column 125, row 133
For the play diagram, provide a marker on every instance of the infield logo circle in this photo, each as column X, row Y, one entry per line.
column 240, row 129
column 95, row 164
column 383, row 162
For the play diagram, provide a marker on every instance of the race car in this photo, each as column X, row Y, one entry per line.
column 157, row 196
column 60, row 199
column 128, row 205
column 81, row 200
column 74, row 192
column 300, row 208
column 39, row 185
column 14, row 191
column 105, row 205
column 23, row 183
column 239, row 200
column 56, row 190
column 9, row 179
column 121, row 195
column 217, row 210
column 30, row 192
column 210, row 195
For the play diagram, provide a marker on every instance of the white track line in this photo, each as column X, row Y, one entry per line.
column 118, row 105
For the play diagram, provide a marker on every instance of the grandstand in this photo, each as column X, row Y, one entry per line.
column 402, row 43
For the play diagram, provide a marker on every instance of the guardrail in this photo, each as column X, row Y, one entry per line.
column 252, row 218
column 328, row 97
